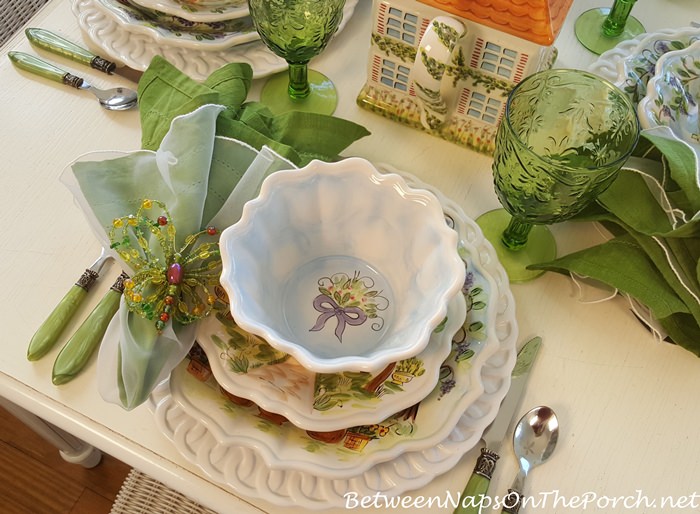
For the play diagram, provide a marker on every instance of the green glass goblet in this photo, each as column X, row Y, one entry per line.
column 297, row 31
column 602, row 29
column 563, row 138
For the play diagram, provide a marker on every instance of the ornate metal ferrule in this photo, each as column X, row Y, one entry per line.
column 72, row 80
column 486, row 463
column 103, row 65
column 118, row 286
column 512, row 502
column 87, row 279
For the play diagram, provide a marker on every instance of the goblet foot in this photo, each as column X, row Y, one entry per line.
column 589, row 30
column 540, row 246
column 322, row 99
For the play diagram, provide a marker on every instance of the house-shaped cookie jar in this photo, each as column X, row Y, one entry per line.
column 447, row 66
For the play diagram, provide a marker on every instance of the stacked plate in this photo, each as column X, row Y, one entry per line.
column 196, row 36
column 659, row 72
column 673, row 95
column 632, row 63
column 265, row 425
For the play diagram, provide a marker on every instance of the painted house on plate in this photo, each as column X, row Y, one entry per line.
column 447, row 66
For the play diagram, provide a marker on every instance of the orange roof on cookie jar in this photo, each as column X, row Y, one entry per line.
column 538, row 21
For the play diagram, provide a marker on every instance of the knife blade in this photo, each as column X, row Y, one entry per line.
column 495, row 434
column 47, row 40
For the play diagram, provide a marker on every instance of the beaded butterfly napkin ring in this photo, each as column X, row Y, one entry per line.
column 168, row 283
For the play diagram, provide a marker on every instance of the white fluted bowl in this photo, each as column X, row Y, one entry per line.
column 341, row 266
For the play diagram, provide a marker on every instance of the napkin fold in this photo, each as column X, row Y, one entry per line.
column 652, row 211
column 165, row 93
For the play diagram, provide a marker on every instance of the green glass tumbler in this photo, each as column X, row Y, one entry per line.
column 564, row 136
column 297, row 31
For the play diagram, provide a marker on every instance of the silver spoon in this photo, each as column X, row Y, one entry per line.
column 116, row 99
column 534, row 441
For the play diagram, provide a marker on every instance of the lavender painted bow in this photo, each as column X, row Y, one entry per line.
column 345, row 315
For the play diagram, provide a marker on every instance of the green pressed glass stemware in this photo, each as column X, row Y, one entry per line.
column 564, row 136
column 298, row 30
column 601, row 29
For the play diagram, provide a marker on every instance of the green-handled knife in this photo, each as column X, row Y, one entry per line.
column 495, row 434
column 45, row 338
column 77, row 352
column 56, row 44
column 46, row 40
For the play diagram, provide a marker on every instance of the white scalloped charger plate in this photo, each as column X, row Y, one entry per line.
column 198, row 12
column 137, row 50
column 248, row 471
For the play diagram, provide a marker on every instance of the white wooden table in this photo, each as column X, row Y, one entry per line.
column 627, row 403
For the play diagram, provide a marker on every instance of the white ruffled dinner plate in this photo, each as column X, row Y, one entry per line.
column 252, row 469
column 632, row 63
column 227, row 10
column 247, row 367
column 137, row 50
column 163, row 30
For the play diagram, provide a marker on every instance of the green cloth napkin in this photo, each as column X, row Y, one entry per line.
column 165, row 93
column 653, row 213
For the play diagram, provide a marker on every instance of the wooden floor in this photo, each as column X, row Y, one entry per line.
column 36, row 480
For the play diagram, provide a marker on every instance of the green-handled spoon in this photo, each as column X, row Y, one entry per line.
column 115, row 99
column 77, row 352
column 534, row 441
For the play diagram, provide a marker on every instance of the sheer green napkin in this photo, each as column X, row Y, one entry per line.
column 653, row 213
column 165, row 92
column 204, row 181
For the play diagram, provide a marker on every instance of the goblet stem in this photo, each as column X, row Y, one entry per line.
column 540, row 246
column 515, row 235
column 299, row 80
column 615, row 22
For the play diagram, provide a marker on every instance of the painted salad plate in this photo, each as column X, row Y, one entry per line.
column 175, row 31
column 136, row 50
column 206, row 428
column 218, row 10
column 632, row 63
column 673, row 94
column 249, row 368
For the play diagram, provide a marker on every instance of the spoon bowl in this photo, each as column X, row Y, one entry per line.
column 534, row 440
column 115, row 99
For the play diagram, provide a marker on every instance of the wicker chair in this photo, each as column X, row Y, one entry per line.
column 14, row 14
